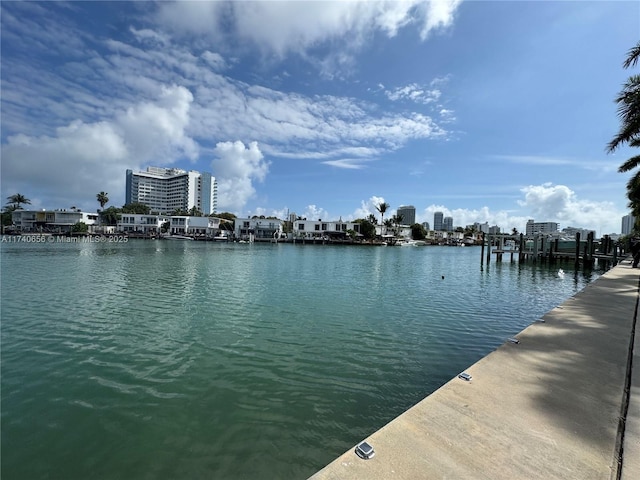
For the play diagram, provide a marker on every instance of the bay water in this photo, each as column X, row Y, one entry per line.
column 200, row 360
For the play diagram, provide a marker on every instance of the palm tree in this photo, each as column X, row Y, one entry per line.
column 17, row 199
column 628, row 101
column 397, row 220
column 382, row 208
column 102, row 198
column 388, row 223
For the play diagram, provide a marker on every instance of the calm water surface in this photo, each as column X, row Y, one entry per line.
column 159, row 359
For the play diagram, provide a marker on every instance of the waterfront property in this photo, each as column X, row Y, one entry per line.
column 141, row 223
column 261, row 229
column 51, row 221
column 194, row 226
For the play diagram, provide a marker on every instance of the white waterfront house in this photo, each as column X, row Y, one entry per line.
column 322, row 229
column 51, row 221
column 141, row 223
column 194, row 226
column 258, row 228
column 149, row 224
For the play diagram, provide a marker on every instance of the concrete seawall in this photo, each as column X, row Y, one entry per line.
column 563, row 403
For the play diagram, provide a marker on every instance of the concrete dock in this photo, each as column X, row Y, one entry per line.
column 563, row 403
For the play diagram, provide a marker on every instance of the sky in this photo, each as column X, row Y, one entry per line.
column 494, row 112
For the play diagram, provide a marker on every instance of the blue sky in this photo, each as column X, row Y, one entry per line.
column 488, row 111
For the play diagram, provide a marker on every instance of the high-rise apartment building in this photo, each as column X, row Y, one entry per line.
column 628, row 222
column 447, row 224
column 165, row 190
column 437, row 221
column 408, row 213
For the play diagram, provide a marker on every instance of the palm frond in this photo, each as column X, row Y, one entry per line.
column 633, row 55
column 630, row 164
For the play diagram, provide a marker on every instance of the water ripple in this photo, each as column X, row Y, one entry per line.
column 201, row 360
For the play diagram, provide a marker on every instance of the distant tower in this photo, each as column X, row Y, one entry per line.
column 408, row 213
column 447, row 224
column 437, row 221
column 628, row 221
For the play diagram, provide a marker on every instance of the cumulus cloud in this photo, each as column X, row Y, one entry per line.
column 236, row 167
column 81, row 159
column 558, row 203
column 542, row 203
column 368, row 207
column 313, row 212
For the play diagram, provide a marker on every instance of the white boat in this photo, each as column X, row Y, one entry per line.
column 177, row 237
column 407, row 242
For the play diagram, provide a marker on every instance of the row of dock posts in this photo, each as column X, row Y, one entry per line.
column 546, row 249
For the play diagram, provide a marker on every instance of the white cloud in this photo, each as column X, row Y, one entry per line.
column 558, row 203
column 81, row 159
column 150, row 36
column 414, row 93
column 542, row 203
column 312, row 212
column 236, row 167
column 296, row 26
column 347, row 163
column 215, row 60
column 439, row 15
column 547, row 160
column 368, row 207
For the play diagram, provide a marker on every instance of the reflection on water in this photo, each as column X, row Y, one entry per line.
column 203, row 360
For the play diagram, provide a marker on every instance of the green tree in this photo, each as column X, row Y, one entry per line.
column 367, row 228
column 372, row 219
column 102, row 198
column 7, row 217
column 397, row 220
column 418, row 232
column 80, row 227
column 18, row 199
column 225, row 215
column 388, row 223
column 136, row 207
column 110, row 216
column 382, row 207
column 194, row 212
column 628, row 101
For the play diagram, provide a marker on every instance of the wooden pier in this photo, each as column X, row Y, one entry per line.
column 542, row 248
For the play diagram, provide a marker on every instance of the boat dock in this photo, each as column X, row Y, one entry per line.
column 561, row 400
column 541, row 248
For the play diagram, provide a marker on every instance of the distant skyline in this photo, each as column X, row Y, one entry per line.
column 494, row 112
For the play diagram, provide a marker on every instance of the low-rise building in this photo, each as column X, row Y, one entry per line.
column 258, row 228
column 194, row 226
column 51, row 221
column 141, row 223
column 533, row 228
column 323, row 229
